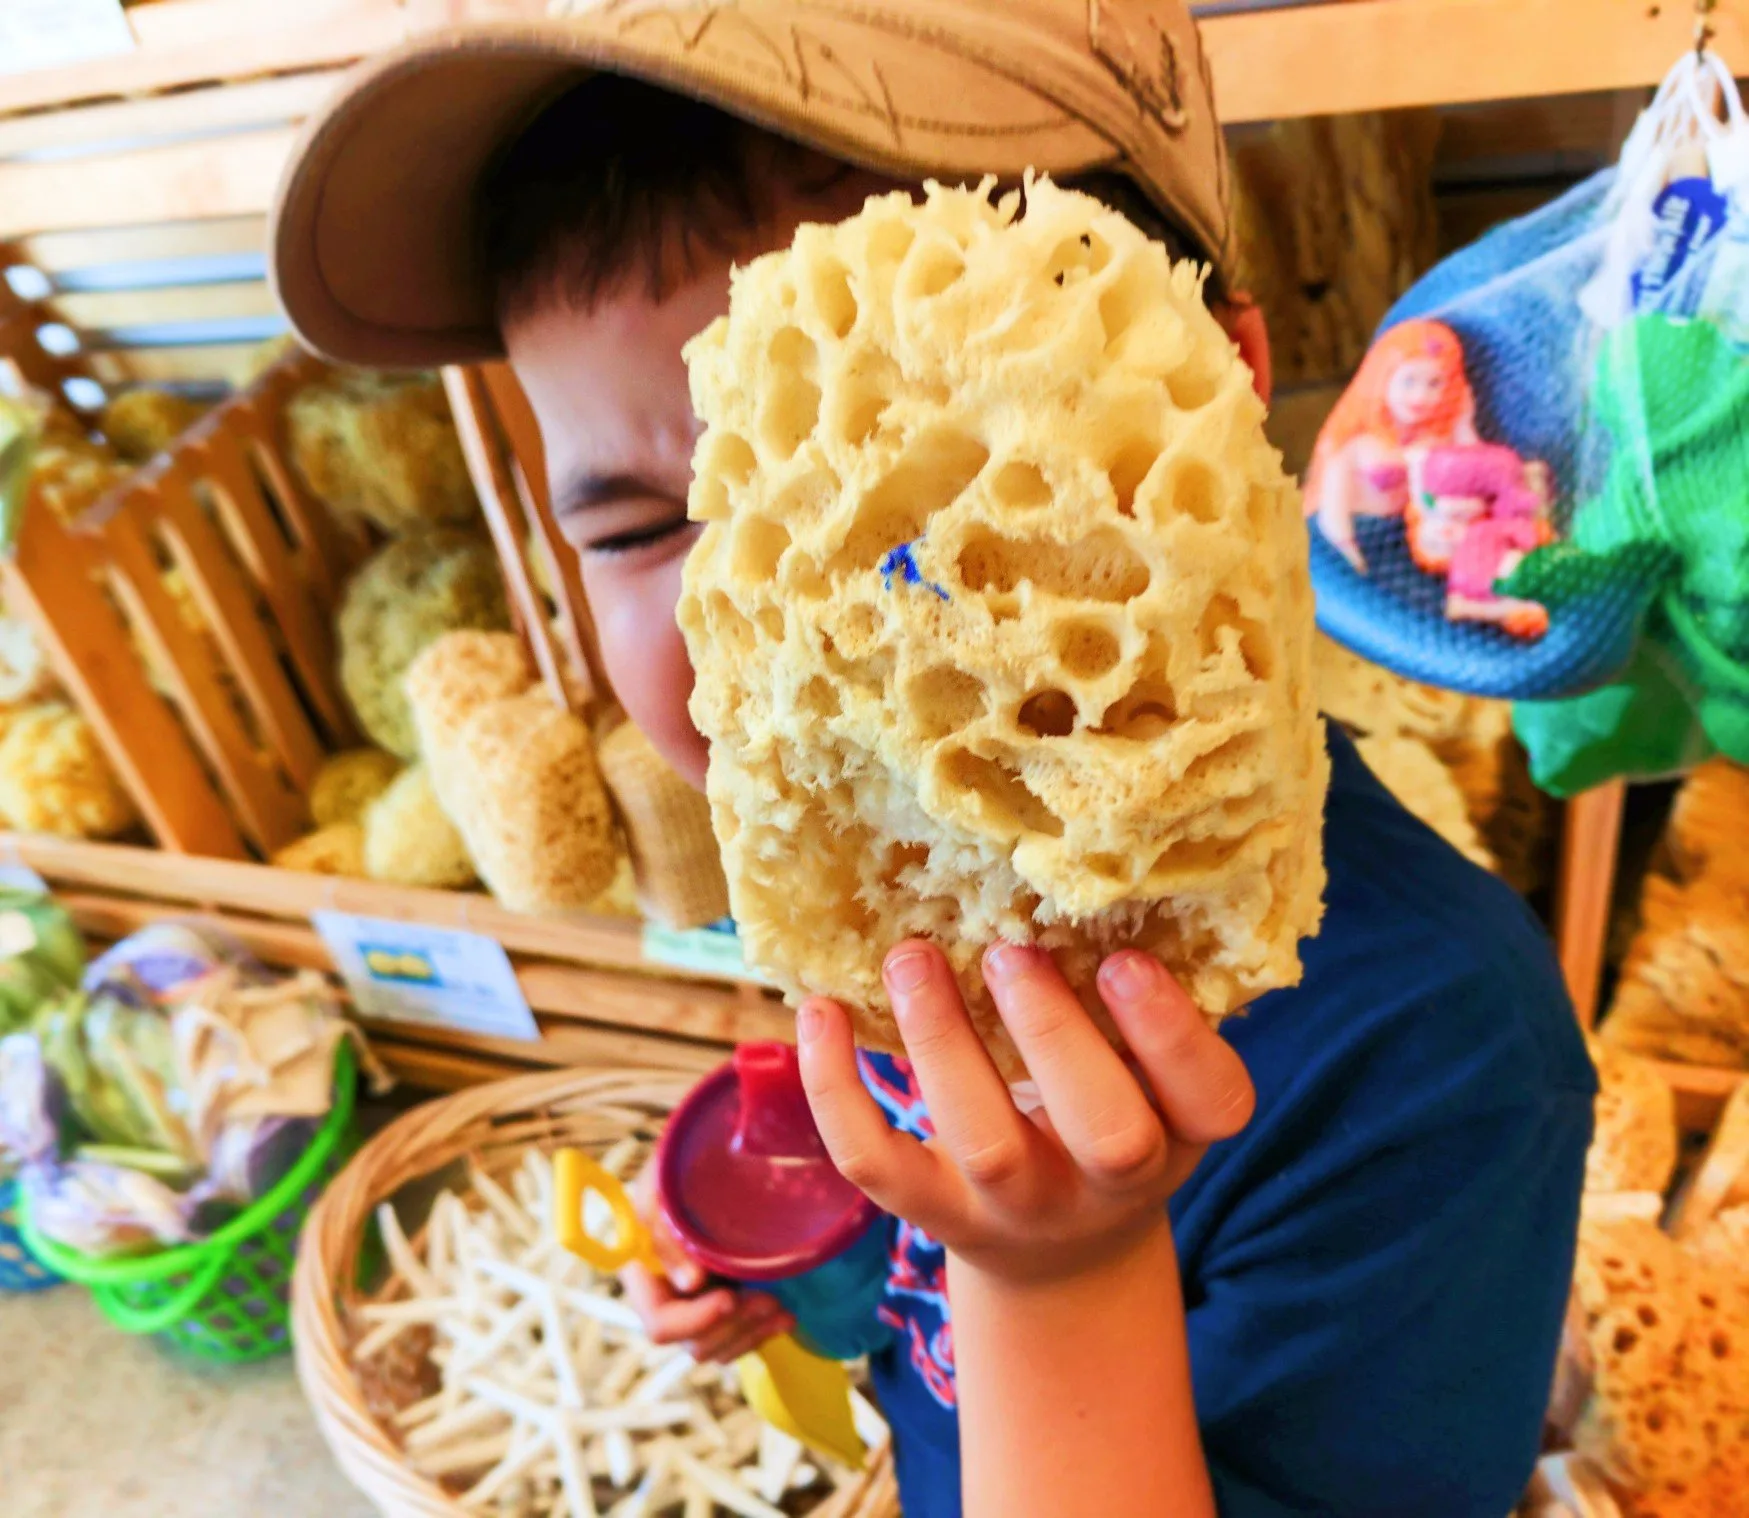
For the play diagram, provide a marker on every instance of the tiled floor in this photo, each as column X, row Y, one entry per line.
column 94, row 1424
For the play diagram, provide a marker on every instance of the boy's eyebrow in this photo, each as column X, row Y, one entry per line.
column 579, row 492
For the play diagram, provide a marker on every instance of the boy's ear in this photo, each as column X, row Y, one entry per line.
column 1242, row 319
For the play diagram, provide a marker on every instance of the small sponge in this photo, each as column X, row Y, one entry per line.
column 533, row 811
column 1001, row 616
column 336, row 848
column 408, row 840
column 407, row 595
column 516, row 775
column 348, row 783
column 668, row 831
column 55, row 777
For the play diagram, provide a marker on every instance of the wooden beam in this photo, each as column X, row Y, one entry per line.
column 289, row 895
column 1584, row 890
column 1381, row 55
column 185, row 42
column 63, row 252
column 122, row 123
column 232, row 176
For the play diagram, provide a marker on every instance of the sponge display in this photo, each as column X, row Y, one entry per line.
column 1000, row 616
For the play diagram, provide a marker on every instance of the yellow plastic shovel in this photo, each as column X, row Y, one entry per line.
column 805, row 1396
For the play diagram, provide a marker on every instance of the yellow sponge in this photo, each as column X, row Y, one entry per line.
column 55, row 777
column 409, row 841
column 348, row 783
column 1001, row 615
column 667, row 827
column 532, row 808
column 336, row 848
column 516, row 774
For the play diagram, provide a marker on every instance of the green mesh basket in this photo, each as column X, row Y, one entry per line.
column 19, row 1269
column 225, row 1297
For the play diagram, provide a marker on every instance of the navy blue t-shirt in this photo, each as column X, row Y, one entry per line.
column 1375, row 1271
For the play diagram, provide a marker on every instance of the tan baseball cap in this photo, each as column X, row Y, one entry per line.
column 375, row 250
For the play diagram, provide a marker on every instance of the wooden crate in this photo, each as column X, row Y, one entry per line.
column 217, row 736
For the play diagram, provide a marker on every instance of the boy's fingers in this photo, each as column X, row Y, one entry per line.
column 683, row 1272
column 671, row 1319
column 764, row 1318
column 1202, row 1085
column 976, row 1123
column 1095, row 1105
column 896, row 1173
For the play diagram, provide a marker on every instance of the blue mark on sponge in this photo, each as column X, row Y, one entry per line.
column 901, row 562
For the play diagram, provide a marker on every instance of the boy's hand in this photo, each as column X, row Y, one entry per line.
column 1048, row 1195
column 681, row 1306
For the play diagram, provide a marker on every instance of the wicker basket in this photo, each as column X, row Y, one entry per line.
column 492, row 1124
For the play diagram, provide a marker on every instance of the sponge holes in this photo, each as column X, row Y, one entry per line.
column 944, row 700
column 792, row 404
column 1087, row 650
column 997, row 791
column 1020, row 486
column 1077, row 258
column 931, row 270
column 759, row 544
column 1129, row 467
column 726, row 625
column 1224, row 623
column 833, row 297
column 1047, row 713
column 725, row 463
column 1102, row 566
column 1145, row 712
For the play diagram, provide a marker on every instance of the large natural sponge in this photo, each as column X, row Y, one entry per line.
column 407, row 595
column 382, row 448
column 1001, row 616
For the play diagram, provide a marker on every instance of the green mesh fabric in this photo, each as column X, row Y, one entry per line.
column 1672, row 520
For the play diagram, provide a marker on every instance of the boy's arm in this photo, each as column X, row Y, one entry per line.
column 1070, row 1338
column 1075, row 1396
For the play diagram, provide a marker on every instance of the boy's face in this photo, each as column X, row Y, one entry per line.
column 609, row 388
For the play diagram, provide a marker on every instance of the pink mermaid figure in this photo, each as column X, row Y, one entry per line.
column 1410, row 393
column 1474, row 512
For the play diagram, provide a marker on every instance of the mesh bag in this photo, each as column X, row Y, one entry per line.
column 1535, row 486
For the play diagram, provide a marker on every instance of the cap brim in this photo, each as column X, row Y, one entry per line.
column 374, row 246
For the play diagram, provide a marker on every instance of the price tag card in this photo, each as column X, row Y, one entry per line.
column 442, row 977
column 51, row 34
column 714, row 950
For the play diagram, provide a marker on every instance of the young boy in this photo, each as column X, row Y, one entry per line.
column 1355, row 1304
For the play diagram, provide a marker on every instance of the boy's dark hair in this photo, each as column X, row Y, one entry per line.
column 616, row 173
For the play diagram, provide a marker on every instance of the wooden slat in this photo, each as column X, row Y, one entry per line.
column 569, row 997
column 1701, row 1092
column 440, row 1070
column 558, row 559
column 1589, row 843
column 50, row 580
column 229, row 365
column 57, row 252
column 193, row 41
column 611, row 942
column 301, row 611
column 484, row 450
column 229, row 608
column 154, row 118
column 271, row 814
column 1373, row 55
column 134, row 308
column 231, row 176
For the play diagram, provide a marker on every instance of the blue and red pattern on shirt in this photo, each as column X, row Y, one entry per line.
column 916, row 1301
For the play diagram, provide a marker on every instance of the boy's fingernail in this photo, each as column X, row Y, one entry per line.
column 1129, row 974
column 1009, row 961
column 810, row 1022
column 907, row 970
